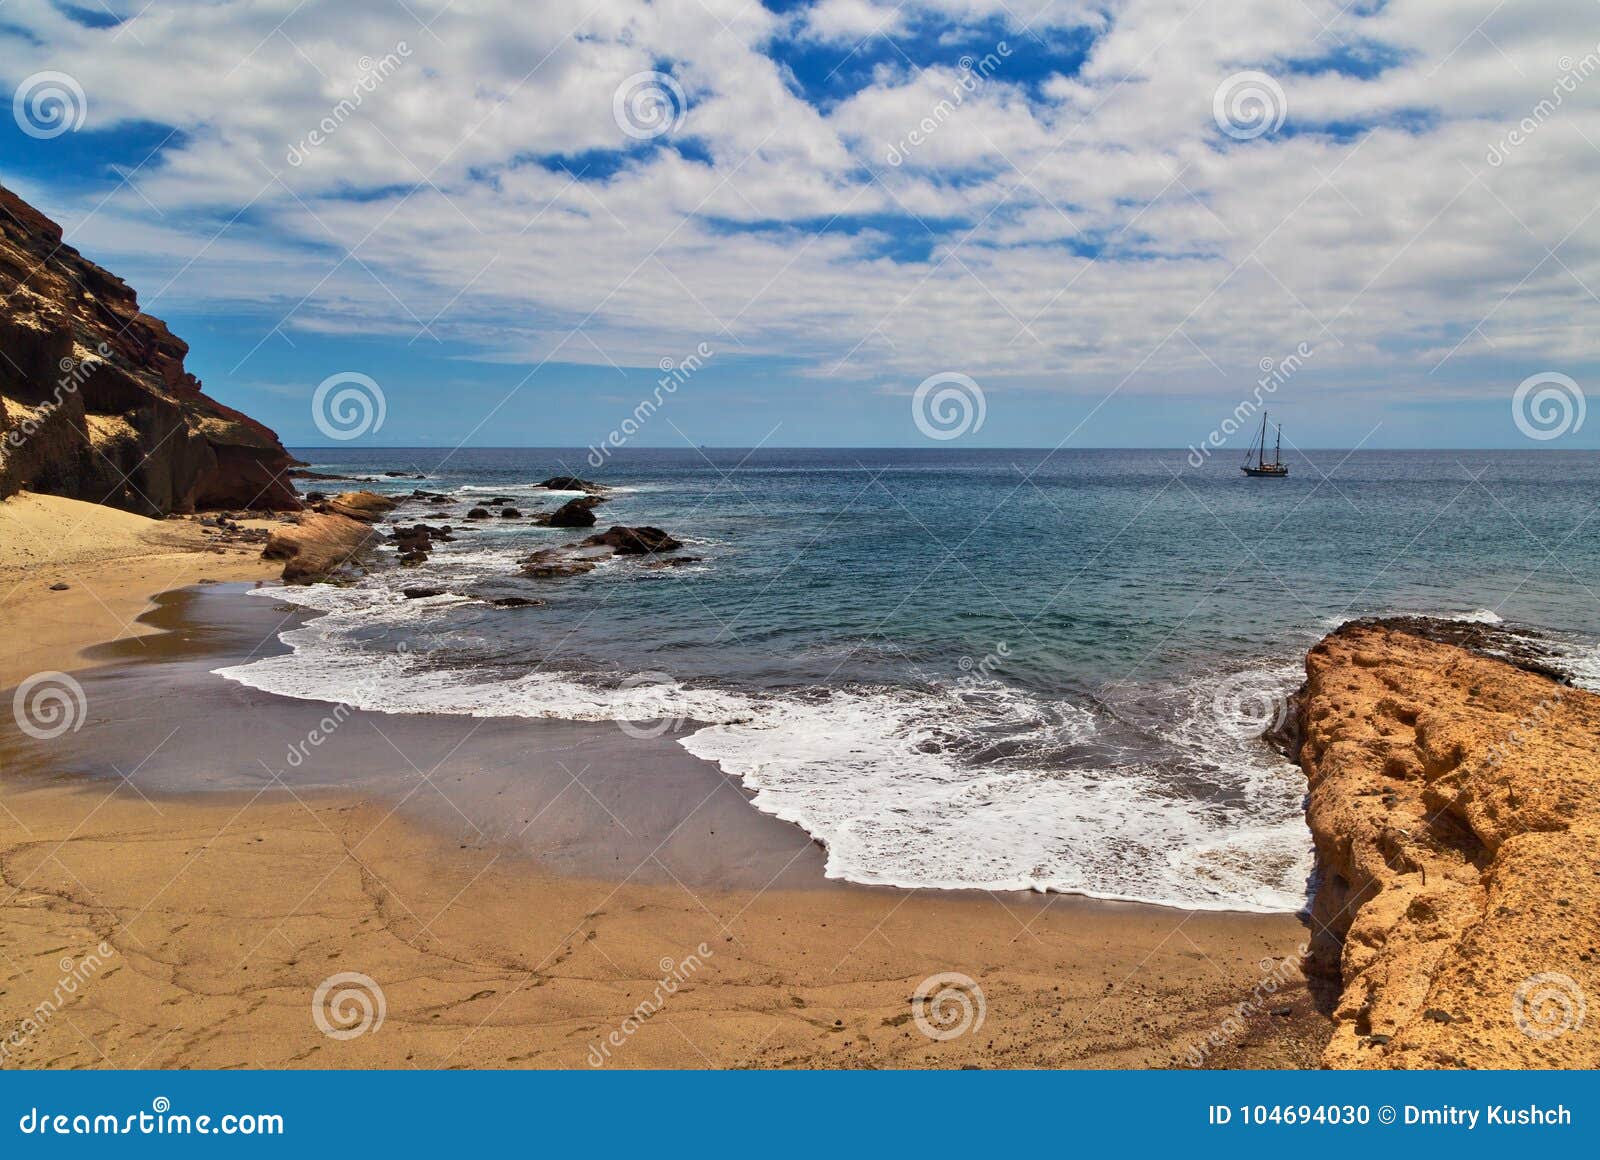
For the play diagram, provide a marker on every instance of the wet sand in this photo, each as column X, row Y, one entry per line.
column 521, row 893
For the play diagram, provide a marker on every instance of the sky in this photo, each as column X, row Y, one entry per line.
column 841, row 222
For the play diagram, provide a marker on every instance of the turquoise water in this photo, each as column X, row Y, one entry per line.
column 998, row 669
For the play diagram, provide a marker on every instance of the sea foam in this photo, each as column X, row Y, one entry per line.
column 901, row 785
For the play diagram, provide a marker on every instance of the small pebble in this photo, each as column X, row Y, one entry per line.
column 59, row 587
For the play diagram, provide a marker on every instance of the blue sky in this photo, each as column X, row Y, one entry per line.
column 1105, row 217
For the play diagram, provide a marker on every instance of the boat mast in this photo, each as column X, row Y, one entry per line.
column 1277, row 450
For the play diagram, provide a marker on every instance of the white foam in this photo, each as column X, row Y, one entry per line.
column 865, row 774
column 900, row 785
column 1479, row 616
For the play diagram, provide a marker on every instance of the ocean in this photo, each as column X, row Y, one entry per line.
column 979, row 669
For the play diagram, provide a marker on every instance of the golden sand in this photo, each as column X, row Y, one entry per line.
column 197, row 931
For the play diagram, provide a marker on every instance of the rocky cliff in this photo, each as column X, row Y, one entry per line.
column 95, row 403
column 1455, row 807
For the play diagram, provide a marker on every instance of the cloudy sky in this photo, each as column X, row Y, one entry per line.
column 1108, row 216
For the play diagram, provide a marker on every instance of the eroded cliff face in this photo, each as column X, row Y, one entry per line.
column 95, row 403
column 1455, row 807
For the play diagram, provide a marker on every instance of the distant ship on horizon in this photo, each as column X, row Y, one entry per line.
column 1275, row 467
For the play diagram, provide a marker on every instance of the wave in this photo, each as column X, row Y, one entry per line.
column 967, row 786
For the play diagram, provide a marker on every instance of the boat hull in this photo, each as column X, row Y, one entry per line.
column 1268, row 472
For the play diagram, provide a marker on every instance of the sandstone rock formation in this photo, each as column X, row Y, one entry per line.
column 319, row 546
column 1455, row 808
column 367, row 506
column 327, row 540
column 95, row 403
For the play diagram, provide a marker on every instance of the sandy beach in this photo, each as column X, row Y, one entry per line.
column 629, row 909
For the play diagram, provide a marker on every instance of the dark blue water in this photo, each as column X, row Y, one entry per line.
column 991, row 668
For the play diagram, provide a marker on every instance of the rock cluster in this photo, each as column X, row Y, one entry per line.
column 586, row 555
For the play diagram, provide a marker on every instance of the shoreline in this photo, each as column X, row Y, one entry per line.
column 226, row 908
column 114, row 565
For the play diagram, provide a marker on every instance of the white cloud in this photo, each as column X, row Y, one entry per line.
column 1106, row 233
column 848, row 21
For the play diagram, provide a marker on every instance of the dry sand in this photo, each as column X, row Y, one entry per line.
column 113, row 563
column 195, row 930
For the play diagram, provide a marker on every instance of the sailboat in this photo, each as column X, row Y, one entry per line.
column 1276, row 467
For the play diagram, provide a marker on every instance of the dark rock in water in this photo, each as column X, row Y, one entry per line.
column 316, row 496
column 501, row 501
column 510, row 513
column 570, row 483
column 634, row 541
column 417, row 540
column 515, row 602
column 551, row 563
column 413, row 558
column 576, row 513
column 421, row 532
column 478, row 514
column 671, row 562
column 440, row 499
column 421, row 593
